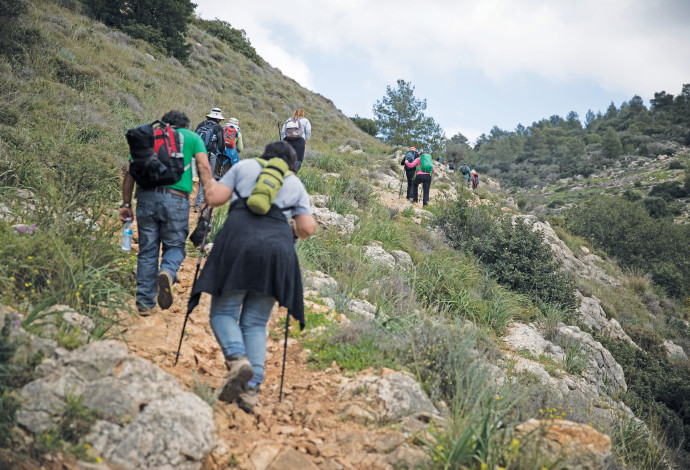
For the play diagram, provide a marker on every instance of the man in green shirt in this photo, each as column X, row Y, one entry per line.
column 163, row 219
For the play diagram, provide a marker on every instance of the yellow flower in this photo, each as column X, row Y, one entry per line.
column 98, row 459
column 29, row 257
column 439, row 447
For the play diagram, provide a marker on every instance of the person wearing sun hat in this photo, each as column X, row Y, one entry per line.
column 211, row 132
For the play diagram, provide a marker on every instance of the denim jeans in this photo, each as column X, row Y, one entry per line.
column 200, row 195
column 162, row 218
column 246, row 333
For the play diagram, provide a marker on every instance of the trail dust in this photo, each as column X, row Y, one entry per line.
column 308, row 430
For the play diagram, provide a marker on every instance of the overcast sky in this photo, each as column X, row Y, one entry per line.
column 477, row 63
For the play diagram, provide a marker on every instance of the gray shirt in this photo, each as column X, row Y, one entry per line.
column 242, row 177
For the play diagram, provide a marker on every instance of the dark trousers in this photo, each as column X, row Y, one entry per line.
column 425, row 181
column 299, row 145
column 409, row 174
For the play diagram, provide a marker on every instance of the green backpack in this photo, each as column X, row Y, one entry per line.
column 427, row 164
column 268, row 184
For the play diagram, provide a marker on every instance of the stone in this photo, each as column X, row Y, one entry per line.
column 361, row 307
column 145, row 418
column 376, row 254
column 290, row 459
column 578, row 446
column 673, row 351
column 325, row 219
column 318, row 281
column 402, row 258
column 592, row 315
column 390, row 398
column 527, row 337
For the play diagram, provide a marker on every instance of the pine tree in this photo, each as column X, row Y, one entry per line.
column 611, row 144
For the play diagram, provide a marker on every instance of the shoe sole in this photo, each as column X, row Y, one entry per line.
column 165, row 297
column 233, row 388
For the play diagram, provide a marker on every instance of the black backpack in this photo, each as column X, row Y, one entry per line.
column 410, row 156
column 464, row 170
column 157, row 158
column 210, row 138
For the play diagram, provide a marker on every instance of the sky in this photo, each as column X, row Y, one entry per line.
column 478, row 64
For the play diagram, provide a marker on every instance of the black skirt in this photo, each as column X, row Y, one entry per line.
column 255, row 252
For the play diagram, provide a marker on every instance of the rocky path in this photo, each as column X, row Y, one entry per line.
column 310, row 429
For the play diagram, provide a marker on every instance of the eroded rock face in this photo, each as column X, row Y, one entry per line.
column 145, row 419
column 585, row 268
column 387, row 398
column 375, row 252
column 326, row 219
column 592, row 315
column 577, row 446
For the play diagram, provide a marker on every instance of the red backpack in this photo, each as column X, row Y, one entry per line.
column 230, row 136
column 157, row 158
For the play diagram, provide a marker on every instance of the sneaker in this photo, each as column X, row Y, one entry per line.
column 248, row 398
column 165, row 283
column 240, row 372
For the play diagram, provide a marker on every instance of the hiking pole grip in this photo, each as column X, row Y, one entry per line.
column 196, row 276
column 282, row 374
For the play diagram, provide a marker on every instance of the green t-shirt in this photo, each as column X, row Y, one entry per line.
column 193, row 144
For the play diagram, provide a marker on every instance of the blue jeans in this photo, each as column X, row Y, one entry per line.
column 162, row 218
column 200, row 195
column 243, row 334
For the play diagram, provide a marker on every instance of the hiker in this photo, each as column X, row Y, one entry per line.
column 211, row 132
column 296, row 131
column 440, row 160
column 252, row 265
column 232, row 138
column 424, row 167
column 465, row 173
column 475, row 179
column 163, row 218
column 410, row 156
column 451, row 166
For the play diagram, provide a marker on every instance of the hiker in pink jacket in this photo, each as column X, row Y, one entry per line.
column 422, row 163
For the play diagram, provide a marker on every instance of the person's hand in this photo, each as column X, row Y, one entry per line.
column 205, row 213
column 126, row 213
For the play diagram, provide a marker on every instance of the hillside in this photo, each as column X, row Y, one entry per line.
column 464, row 334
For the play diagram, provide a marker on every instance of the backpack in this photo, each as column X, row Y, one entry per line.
column 205, row 130
column 268, row 184
column 464, row 170
column 157, row 158
column 410, row 156
column 451, row 166
column 225, row 161
column 230, row 136
column 427, row 164
column 294, row 129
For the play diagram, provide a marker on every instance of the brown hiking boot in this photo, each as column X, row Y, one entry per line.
column 248, row 398
column 240, row 372
column 165, row 284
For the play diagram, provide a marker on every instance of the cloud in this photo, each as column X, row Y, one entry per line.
column 633, row 46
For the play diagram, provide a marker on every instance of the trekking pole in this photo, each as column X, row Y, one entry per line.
column 402, row 180
column 191, row 304
column 282, row 374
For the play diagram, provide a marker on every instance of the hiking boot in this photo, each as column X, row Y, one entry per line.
column 165, row 283
column 145, row 311
column 248, row 398
column 240, row 372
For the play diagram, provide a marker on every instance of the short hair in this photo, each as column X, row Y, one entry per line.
column 299, row 113
column 281, row 149
column 176, row 119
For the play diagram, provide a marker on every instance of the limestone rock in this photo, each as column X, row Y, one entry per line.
column 402, row 258
column 375, row 252
column 592, row 315
column 318, row 281
column 673, row 351
column 145, row 419
column 361, row 307
column 577, row 445
column 326, row 219
column 527, row 337
column 390, row 398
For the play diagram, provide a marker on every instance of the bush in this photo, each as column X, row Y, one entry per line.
column 236, row 38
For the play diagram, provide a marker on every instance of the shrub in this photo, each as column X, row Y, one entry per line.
column 236, row 38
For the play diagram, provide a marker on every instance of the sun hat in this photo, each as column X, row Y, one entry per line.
column 234, row 122
column 215, row 114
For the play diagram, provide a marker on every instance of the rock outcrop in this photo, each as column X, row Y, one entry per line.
column 145, row 419
column 592, row 315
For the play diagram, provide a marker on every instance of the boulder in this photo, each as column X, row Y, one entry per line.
column 673, row 351
column 402, row 258
column 325, row 219
column 390, row 398
column 376, row 254
column 576, row 446
column 592, row 315
column 318, row 281
column 361, row 307
column 145, row 419
column 527, row 337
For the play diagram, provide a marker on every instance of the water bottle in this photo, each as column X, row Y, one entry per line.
column 127, row 235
